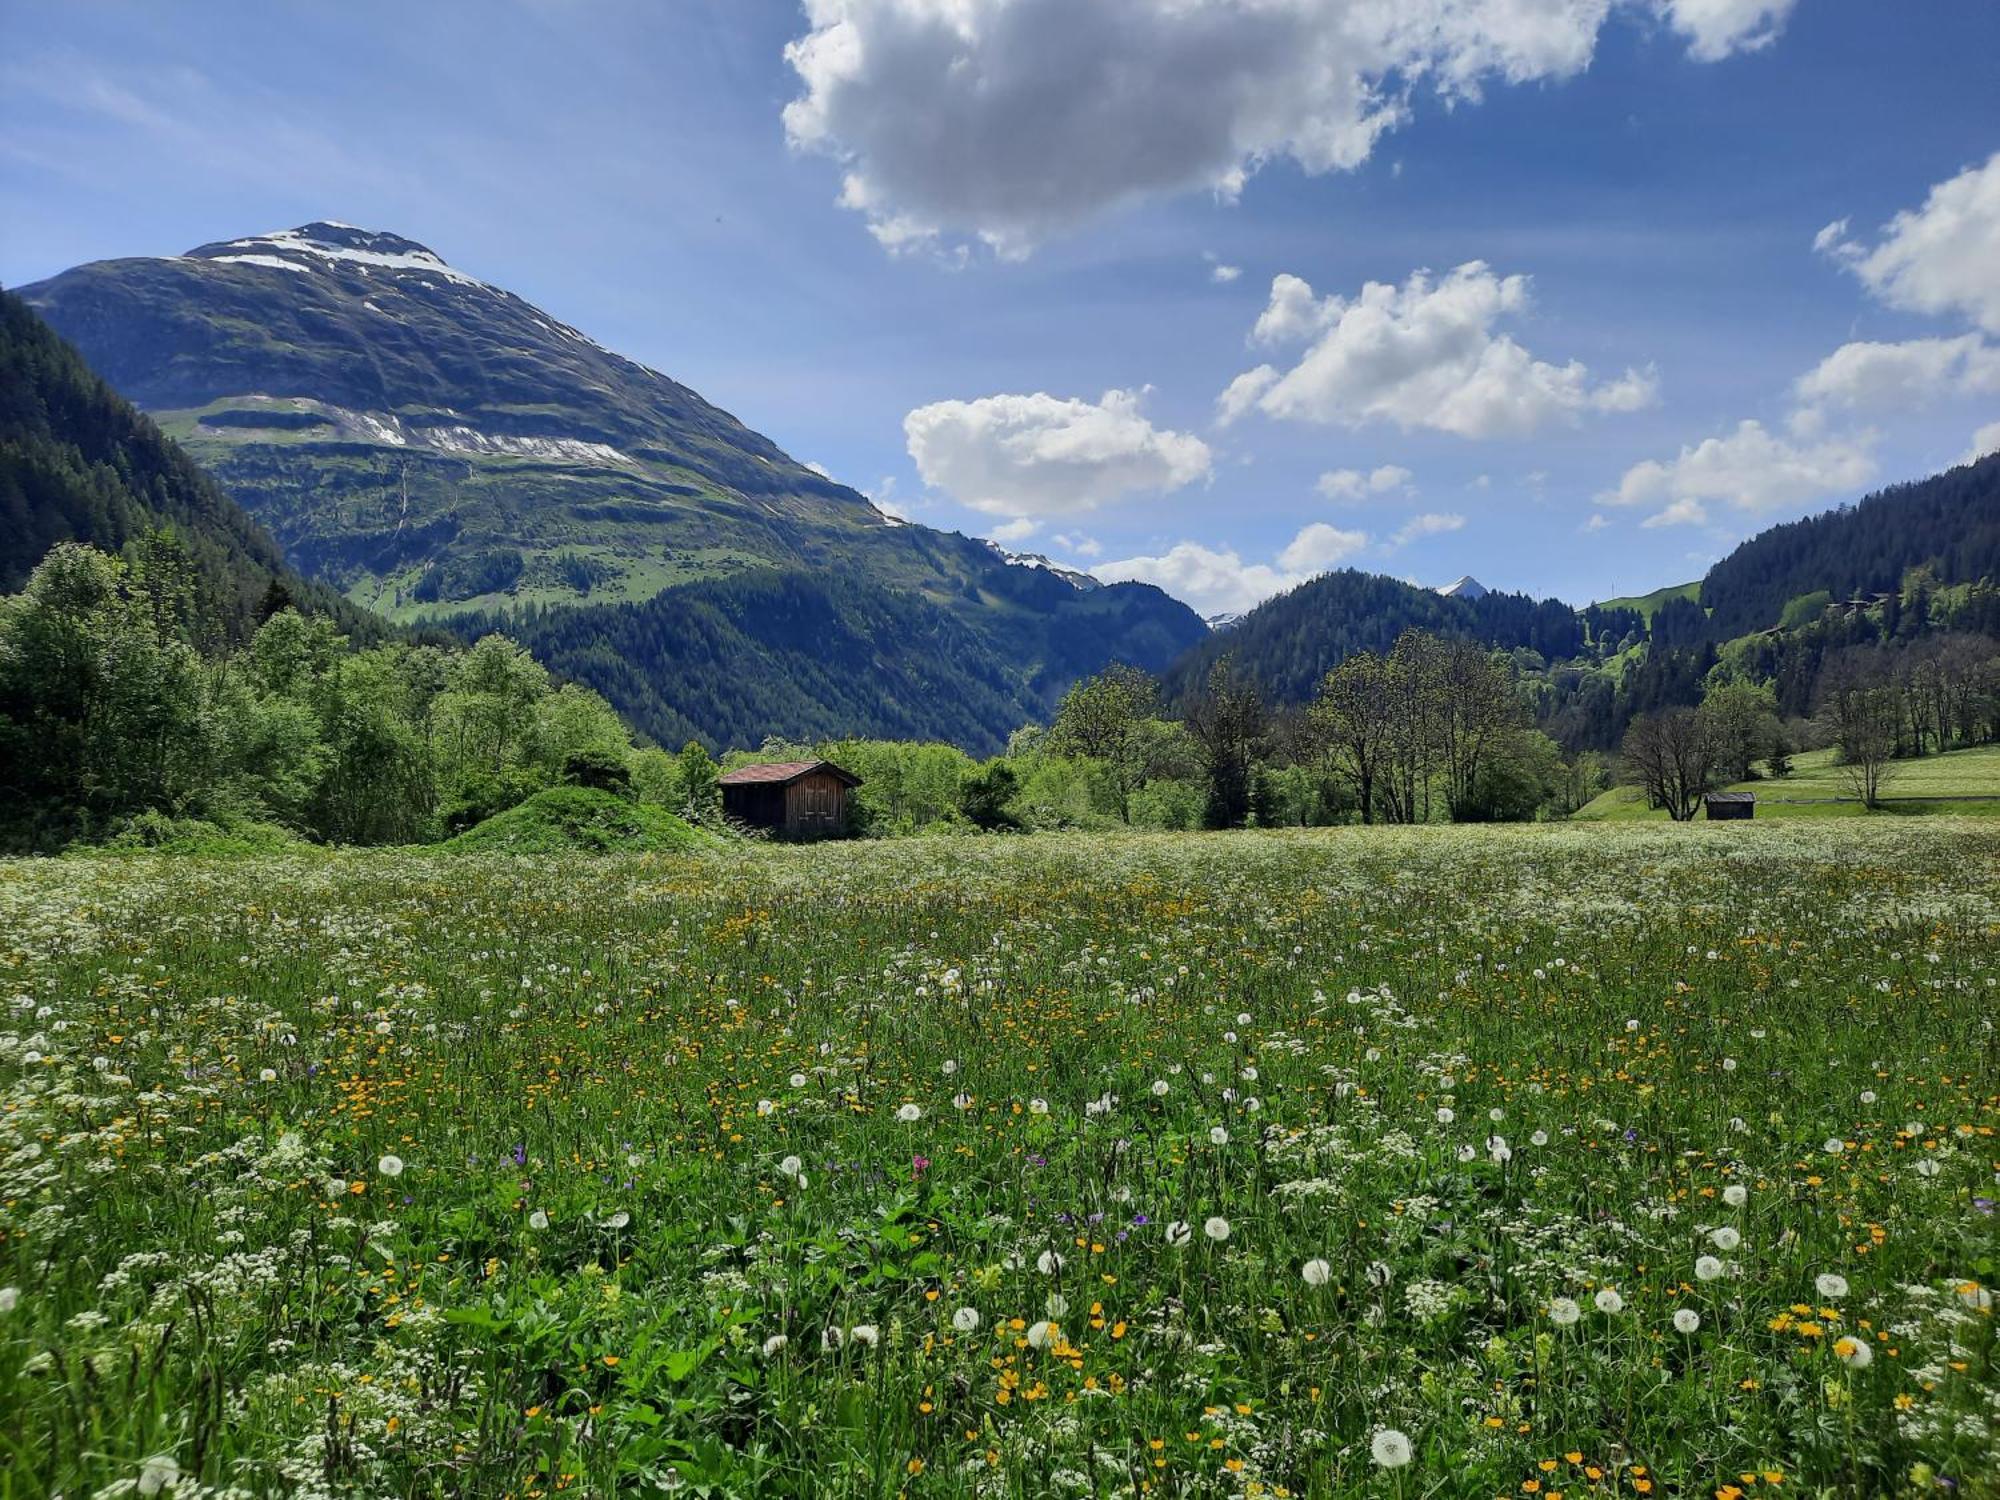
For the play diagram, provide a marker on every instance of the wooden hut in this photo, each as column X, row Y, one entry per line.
column 797, row 798
column 1719, row 805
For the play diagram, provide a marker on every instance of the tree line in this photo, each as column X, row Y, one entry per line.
column 121, row 715
column 114, row 722
column 1434, row 729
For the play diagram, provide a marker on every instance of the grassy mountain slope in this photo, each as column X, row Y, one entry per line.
column 78, row 463
column 1648, row 605
column 437, row 447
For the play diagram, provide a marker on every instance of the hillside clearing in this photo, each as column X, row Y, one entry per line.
column 1964, row 783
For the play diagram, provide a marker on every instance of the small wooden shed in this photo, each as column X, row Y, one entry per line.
column 798, row 798
column 1720, row 805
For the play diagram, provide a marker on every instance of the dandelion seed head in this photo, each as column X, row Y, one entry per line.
column 1390, row 1448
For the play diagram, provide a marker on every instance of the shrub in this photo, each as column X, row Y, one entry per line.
column 600, row 769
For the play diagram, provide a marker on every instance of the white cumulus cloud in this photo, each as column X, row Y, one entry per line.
column 1753, row 469
column 1044, row 455
column 1426, row 354
column 1941, row 258
column 1984, row 441
column 1683, row 512
column 1431, row 523
column 1009, row 121
column 1078, row 543
column 1717, row 28
column 1213, row 580
column 1352, row 484
column 1318, row 547
column 1017, row 530
column 1244, row 392
column 1891, row 377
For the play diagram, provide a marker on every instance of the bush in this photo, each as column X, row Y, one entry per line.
column 599, row 769
column 1172, row 805
column 983, row 797
column 157, row 833
column 488, row 794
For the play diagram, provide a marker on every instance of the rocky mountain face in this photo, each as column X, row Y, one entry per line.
column 434, row 446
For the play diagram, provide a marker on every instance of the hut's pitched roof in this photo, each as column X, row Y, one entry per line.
column 783, row 773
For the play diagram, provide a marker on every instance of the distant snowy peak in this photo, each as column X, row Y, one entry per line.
column 1467, row 587
column 324, row 242
column 1081, row 581
column 1224, row 620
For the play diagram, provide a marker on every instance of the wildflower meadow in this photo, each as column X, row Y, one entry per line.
column 1551, row 1161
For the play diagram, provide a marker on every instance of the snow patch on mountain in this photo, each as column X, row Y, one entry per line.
column 1074, row 577
column 568, row 450
column 393, row 432
column 327, row 240
column 276, row 263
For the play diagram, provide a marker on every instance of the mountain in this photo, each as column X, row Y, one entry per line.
column 1949, row 523
column 1291, row 641
column 1071, row 576
column 79, row 464
column 1787, row 575
column 434, row 446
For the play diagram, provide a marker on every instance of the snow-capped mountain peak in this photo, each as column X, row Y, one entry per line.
column 1074, row 577
column 1467, row 587
column 327, row 241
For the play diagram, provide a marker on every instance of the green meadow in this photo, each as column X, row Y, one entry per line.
column 1552, row 1161
column 1965, row 783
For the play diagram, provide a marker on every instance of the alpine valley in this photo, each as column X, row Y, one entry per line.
column 436, row 448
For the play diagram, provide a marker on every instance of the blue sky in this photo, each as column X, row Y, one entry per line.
column 1042, row 202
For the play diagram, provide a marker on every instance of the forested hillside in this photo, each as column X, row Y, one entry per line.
column 790, row 654
column 78, row 463
column 1907, row 564
column 1949, row 523
column 1287, row 644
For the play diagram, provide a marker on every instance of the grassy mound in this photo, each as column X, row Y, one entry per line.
column 581, row 819
column 157, row 833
